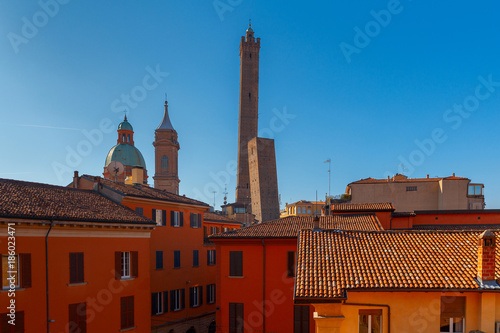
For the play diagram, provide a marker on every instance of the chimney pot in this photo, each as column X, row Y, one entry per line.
column 75, row 180
column 427, row 176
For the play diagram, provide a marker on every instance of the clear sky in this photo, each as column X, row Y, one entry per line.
column 370, row 84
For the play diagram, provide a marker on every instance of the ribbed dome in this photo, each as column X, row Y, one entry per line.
column 127, row 154
column 125, row 125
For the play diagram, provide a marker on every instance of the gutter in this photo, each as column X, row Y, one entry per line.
column 47, row 273
column 263, row 286
column 377, row 305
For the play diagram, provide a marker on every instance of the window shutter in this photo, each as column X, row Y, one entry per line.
column 73, row 314
column 208, row 257
column 118, row 266
column 235, row 263
column 20, row 321
column 154, row 302
column 172, row 300
column 214, row 256
column 452, row 306
column 83, row 317
column 182, row 219
column 72, row 268
column 200, row 294
column 172, row 218
column 191, row 216
column 123, row 311
column 80, row 262
column 134, row 258
column 191, row 296
column 165, row 301
column 153, row 214
column 199, row 220
column 232, row 317
column 25, row 259
column 1, row 272
column 291, row 263
column 183, row 299
column 164, row 217
column 214, row 291
column 131, row 310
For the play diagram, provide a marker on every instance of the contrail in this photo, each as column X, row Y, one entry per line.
column 53, row 127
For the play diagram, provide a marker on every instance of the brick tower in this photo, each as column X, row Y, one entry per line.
column 249, row 99
column 166, row 156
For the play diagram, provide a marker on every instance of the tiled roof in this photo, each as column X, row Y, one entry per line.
column 306, row 202
column 362, row 207
column 20, row 199
column 209, row 216
column 402, row 180
column 143, row 191
column 289, row 227
column 333, row 262
column 457, row 227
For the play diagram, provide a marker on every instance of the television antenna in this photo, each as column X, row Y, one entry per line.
column 116, row 168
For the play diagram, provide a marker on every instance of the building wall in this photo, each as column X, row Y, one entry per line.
column 100, row 291
column 446, row 218
column 453, row 194
column 263, row 179
column 184, row 239
column 410, row 312
column 249, row 289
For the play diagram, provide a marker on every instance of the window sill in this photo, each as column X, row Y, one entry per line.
column 128, row 278
column 128, row 329
column 6, row 290
column 159, row 269
column 196, row 266
column 76, row 284
column 236, row 277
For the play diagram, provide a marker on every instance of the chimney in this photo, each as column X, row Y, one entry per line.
column 316, row 223
column 427, row 176
column 486, row 256
column 75, row 180
column 453, row 174
column 137, row 175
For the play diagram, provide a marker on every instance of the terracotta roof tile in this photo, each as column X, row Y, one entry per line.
column 289, row 227
column 362, row 207
column 457, row 227
column 209, row 216
column 20, row 199
column 143, row 191
column 333, row 262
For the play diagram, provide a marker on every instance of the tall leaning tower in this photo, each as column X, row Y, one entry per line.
column 249, row 100
column 166, row 156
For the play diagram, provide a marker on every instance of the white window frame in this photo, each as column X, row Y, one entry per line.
column 211, row 256
column 160, row 303
column 177, row 300
column 177, row 219
column 125, row 265
column 370, row 322
column 196, row 296
column 211, row 293
column 451, row 326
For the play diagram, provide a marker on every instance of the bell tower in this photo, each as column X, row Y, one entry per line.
column 166, row 156
column 249, row 100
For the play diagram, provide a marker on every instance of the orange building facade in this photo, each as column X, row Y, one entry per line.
column 256, row 274
column 97, row 267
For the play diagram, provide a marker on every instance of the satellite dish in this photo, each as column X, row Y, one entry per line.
column 116, row 168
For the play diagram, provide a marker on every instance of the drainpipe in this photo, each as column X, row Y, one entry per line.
column 47, row 272
column 263, row 287
column 384, row 305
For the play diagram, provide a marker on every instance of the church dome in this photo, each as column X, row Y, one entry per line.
column 125, row 125
column 125, row 153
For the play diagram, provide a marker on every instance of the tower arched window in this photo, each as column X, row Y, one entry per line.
column 128, row 137
column 164, row 162
column 123, row 138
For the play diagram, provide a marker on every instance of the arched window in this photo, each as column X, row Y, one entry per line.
column 123, row 138
column 128, row 137
column 164, row 162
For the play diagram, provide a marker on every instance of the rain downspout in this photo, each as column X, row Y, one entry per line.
column 263, row 287
column 47, row 272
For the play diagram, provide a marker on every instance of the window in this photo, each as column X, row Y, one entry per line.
column 159, row 216
column 159, row 259
column 139, row 210
column 195, row 220
column 127, row 312
column 236, row 318
column 213, row 230
column 123, row 138
column 159, row 303
column 164, row 162
column 76, row 267
column 195, row 296
column 196, row 259
column 290, row 264
column 177, row 300
column 18, row 267
column 77, row 318
column 177, row 259
column 211, row 293
column 301, row 319
column 239, row 210
column 452, row 314
column 128, row 137
column 370, row 321
column 210, row 257
column 126, row 264
column 19, row 323
column 176, row 219
column 411, row 188
column 475, row 189
column 235, row 263
column 299, row 210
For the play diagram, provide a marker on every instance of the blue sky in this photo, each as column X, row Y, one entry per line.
column 370, row 84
